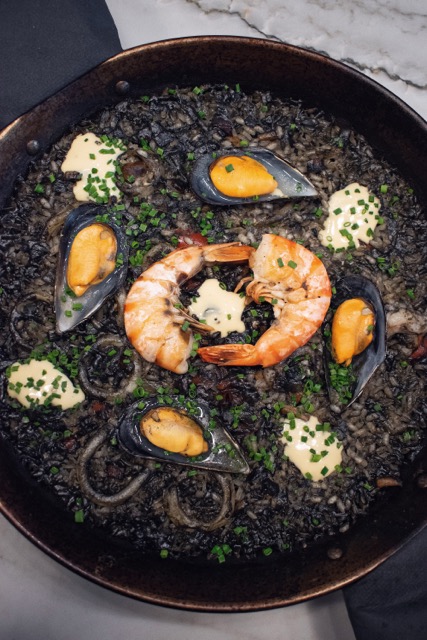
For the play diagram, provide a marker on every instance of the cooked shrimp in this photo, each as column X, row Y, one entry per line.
column 296, row 283
column 155, row 322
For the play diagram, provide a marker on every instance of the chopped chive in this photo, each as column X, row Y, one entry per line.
column 324, row 471
column 79, row 516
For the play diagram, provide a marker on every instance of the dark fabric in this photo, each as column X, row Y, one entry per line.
column 391, row 602
column 45, row 44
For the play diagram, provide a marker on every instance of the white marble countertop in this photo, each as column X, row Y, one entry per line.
column 41, row 600
column 386, row 39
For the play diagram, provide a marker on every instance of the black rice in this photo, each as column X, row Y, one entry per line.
column 177, row 511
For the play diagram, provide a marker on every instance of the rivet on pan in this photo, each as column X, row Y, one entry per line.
column 334, row 553
column 33, row 147
column 122, row 87
column 422, row 481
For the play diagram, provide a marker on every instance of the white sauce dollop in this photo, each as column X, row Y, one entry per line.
column 94, row 160
column 312, row 447
column 220, row 308
column 353, row 216
column 39, row 383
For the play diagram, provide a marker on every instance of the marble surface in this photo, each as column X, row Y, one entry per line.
column 386, row 39
column 39, row 599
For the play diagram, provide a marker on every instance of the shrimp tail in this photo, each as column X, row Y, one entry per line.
column 231, row 252
column 232, row 355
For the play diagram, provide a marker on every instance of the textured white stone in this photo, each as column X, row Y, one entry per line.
column 386, row 39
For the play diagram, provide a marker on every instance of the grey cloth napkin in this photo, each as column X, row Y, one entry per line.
column 45, row 44
column 391, row 602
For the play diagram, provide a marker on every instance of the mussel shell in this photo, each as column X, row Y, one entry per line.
column 93, row 298
column 290, row 181
column 216, row 458
column 365, row 364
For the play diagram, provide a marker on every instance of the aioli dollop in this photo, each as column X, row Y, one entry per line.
column 40, row 383
column 95, row 160
column 220, row 308
column 312, row 447
column 353, row 216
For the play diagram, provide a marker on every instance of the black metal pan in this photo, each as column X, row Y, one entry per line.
column 392, row 127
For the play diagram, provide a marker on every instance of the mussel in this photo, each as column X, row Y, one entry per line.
column 240, row 177
column 172, row 434
column 92, row 264
column 356, row 339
